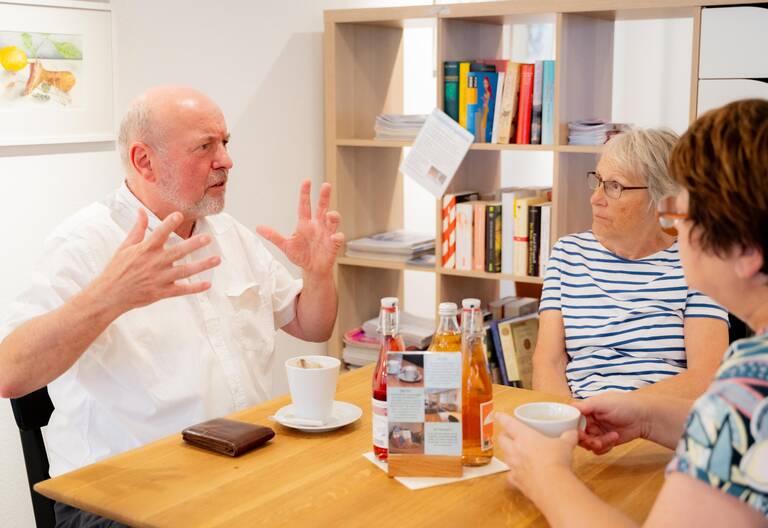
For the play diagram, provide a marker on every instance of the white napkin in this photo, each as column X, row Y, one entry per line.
column 414, row 483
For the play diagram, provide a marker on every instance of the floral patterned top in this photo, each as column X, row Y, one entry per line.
column 725, row 442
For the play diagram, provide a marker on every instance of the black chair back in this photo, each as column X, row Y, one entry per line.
column 32, row 412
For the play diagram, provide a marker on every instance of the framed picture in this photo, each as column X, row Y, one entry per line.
column 56, row 78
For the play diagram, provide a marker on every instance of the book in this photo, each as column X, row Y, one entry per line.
column 509, row 104
column 463, row 73
column 398, row 127
column 534, row 239
column 521, row 232
column 548, row 103
column 478, row 237
column 416, row 331
column 451, row 89
column 497, row 108
column 514, row 342
column 519, row 306
column 536, row 103
column 448, row 235
column 546, row 214
column 525, row 99
column 493, row 237
column 508, row 197
column 481, row 104
column 397, row 242
column 464, row 232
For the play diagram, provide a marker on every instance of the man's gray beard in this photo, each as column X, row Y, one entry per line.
column 207, row 205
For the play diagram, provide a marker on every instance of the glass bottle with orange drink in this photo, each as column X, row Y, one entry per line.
column 477, row 391
column 390, row 341
column 447, row 338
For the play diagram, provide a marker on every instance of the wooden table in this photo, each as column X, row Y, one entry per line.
column 302, row 479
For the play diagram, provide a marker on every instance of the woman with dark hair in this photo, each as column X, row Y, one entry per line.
column 719, row 474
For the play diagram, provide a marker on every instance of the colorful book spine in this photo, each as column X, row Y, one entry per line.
column 478, row 239
column 523, row 136
column 507, row 231
column 463, row 73
column 451, row 89
column 546, row 222
column 493, row 238
column 534, row 239
column 536, row 103
column 481, row 104
column 448, row 235
column 497, row 107
column 473, row 107
column 548, row 103
column 464, row 216
column 509, row 104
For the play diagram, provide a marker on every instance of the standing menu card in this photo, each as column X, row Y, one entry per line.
column 424, row 414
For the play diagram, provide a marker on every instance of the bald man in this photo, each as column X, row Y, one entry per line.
column 152, row 310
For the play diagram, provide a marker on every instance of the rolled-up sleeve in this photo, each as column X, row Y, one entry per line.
column 550, row 293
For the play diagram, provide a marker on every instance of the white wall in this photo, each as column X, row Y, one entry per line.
column 262, row 62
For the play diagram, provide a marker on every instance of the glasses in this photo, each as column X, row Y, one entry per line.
column 613, row 189
column 669, row 216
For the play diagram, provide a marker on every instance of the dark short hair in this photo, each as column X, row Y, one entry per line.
column 722, row 160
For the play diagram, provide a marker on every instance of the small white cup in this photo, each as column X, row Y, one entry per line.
column 549, row 418
column 313, row 389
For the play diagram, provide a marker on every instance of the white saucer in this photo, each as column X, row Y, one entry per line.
column 343, row 414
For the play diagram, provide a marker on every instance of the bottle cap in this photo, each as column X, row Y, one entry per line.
column 470, row 304
column 389, row 302
column 447, row 308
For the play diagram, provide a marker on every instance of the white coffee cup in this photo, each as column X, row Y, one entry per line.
column 549, row 418
column 313, row 389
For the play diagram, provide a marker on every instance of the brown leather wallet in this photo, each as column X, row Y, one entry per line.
column 229, row 437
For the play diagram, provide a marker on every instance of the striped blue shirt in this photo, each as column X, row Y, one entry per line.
column 623, row 318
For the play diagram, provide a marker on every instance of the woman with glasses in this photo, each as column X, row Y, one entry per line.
column 719, row 474
column 616, row 312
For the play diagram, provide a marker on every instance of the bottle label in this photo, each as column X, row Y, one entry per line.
column 486, row 425
column 380, row 423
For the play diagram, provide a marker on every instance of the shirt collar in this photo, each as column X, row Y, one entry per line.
column 130, row 205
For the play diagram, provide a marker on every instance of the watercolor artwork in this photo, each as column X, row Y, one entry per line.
column 42, row 70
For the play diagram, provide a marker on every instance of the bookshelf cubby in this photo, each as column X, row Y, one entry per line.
column 364, row 77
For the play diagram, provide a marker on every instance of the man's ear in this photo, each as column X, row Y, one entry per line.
column 749, row 263
column 140, row 156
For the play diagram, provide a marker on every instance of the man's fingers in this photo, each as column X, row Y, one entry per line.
column 332, row 221
column 305, row 207
column 163, row 231
column 136, row 234
column 186, row 247
column 179, row 289
column 323, row 200
column 338, row 240
column 184, row 271
column 273, row 236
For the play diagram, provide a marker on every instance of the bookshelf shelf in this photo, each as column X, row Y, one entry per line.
column 381, row 264
column 590, row 149
column 364, row 76
column 491, row 276
column 378, row 143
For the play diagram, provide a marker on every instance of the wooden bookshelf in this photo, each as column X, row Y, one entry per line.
column 363, row 51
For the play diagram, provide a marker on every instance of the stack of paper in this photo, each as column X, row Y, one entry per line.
column 416, row 331
column 396, row 245
column 592, row 131
column 359, row 349
column 398, row 127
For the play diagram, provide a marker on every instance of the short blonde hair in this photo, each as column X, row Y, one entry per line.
column 645, row 152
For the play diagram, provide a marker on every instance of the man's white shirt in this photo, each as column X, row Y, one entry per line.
column 162, row 367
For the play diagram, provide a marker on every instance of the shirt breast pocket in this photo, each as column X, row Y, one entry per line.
column 253, row 323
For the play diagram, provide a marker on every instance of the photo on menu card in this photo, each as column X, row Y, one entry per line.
column 424, row 403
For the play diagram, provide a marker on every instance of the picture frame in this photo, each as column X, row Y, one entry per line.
column 56, row 74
